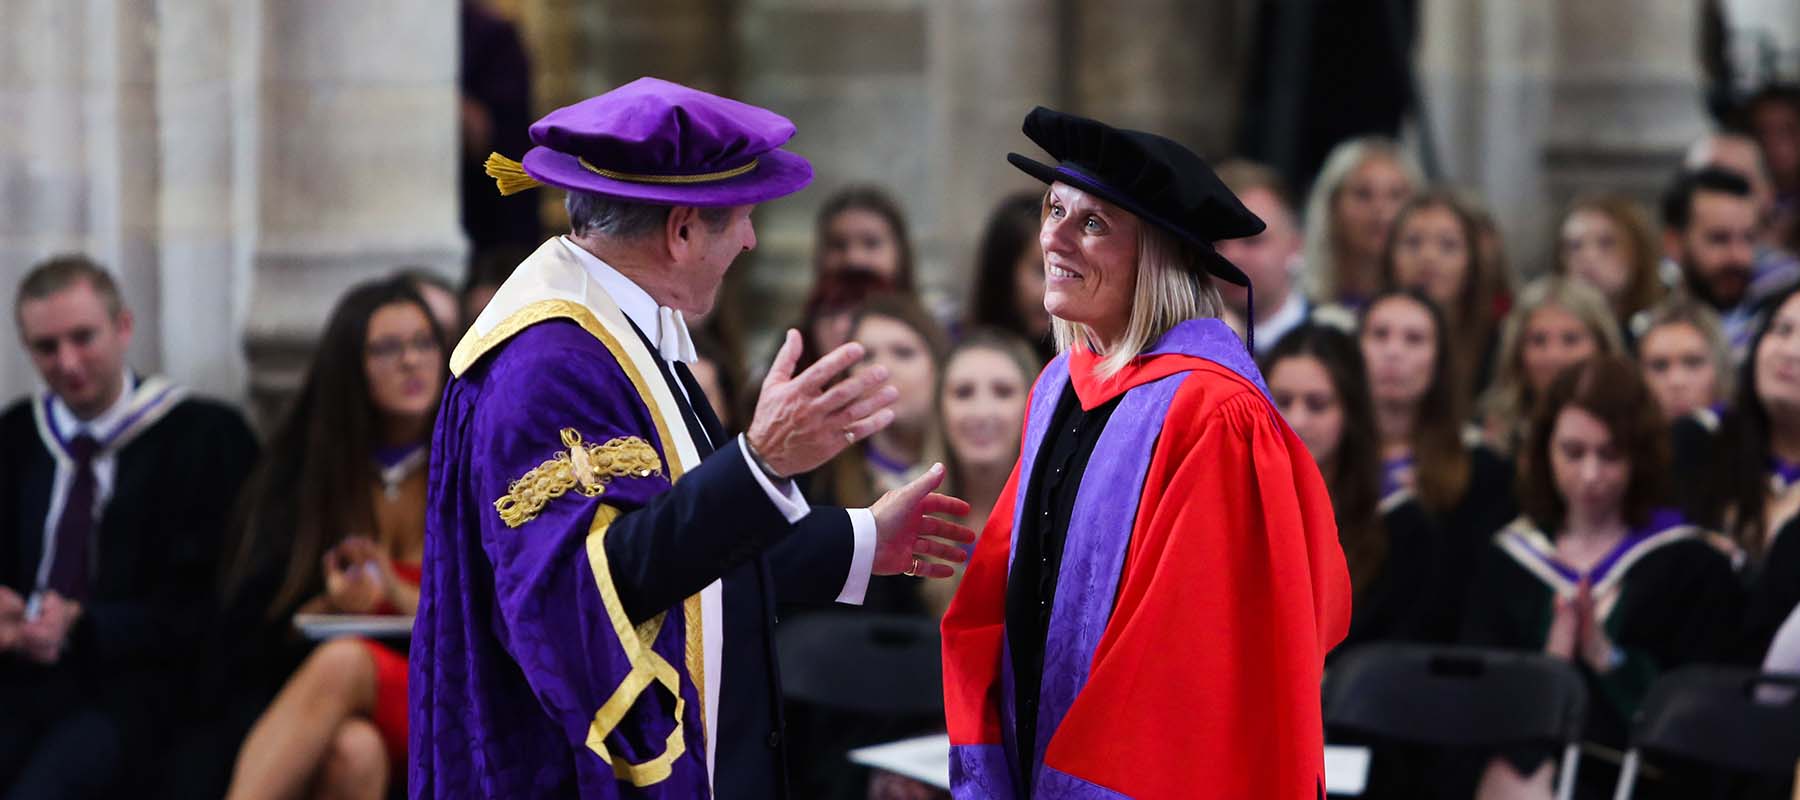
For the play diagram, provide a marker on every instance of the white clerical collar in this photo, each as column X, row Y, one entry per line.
column 1292, row 312
column 70, row 426
column 664, row 326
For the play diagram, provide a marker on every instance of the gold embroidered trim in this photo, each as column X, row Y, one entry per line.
column 647, row 667
column 586, row 468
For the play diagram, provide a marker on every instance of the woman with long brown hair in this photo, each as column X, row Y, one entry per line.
column 1317, row 379
column 334, row 522
column 1435, row 248
column 1598, row 572
column 1420, row 413
column 1606, row 241
column 1744, row 471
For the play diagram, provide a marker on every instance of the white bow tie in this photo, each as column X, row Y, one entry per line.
column 672, row 337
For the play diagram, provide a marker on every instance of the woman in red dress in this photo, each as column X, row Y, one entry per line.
column 336, row 525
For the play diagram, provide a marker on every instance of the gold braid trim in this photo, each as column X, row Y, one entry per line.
column 584, row 468
column 639, row 177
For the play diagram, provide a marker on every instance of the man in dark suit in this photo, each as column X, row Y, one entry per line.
column 114, row 491
column 602, row 562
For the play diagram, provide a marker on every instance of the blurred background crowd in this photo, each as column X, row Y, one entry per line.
column 1527, row 294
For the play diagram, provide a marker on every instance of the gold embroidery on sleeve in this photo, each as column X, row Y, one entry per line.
column 586, row 468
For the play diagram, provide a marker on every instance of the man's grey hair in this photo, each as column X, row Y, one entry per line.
column 599, row 215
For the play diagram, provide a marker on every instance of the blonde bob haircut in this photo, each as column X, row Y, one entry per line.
column 1172, row 286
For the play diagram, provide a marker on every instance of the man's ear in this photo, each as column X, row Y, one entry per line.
column 678, row 230
column 125, row 324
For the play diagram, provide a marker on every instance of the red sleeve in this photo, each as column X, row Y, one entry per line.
column 1207, row 678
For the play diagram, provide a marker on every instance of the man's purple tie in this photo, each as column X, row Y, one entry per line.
column 69, row 571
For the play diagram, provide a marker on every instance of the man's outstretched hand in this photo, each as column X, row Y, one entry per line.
column 804, row 420
column 903, row 528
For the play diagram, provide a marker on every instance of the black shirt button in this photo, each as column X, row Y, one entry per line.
column 774, row 739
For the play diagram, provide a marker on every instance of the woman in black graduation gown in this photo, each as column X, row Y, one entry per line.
column 1746, row 473
column 1317, row 379
column 1594, row 572
column 1431, row 472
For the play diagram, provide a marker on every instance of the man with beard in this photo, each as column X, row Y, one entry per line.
column 1709, row 230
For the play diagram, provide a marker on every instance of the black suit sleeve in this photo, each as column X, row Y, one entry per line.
column 710, row 522
column 811, row 565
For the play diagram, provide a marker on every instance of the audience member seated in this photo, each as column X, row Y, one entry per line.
column 1606, row 241
column 1682, row 354
column 1775, row 267
column 1434, row 249
column 862, row 229
column 1318, row 382
column 1772, row 117
column 1009, row 273
column 1747, row 472
column 1709, row 232
column 981, row 396
column 1558, row 322
column 335, row 524
column 833, row 302
column 1271, row 259
column 1349, row 211
column 115, row 490
column 1464, row 489
column 1597, row 572
column 900, row 338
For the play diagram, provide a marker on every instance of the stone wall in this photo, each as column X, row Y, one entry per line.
column 237, row 163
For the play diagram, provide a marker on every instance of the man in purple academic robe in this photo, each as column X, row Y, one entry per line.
column 601, row 560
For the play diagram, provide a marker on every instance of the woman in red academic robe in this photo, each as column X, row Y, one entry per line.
column 1148, row 611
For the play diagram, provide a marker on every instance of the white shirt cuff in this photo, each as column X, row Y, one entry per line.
column 862, row 559
column 787, row 499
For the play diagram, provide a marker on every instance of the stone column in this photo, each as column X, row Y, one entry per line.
column 1532, row 102
column 990, row 62
column 78, row 157
column 352, row 142
column 853, row 78
column 237, row 164
column 1168, row 66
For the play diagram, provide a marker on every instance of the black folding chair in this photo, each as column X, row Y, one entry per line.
column 1460, row 697
column 875, row 664
column 1726, row 718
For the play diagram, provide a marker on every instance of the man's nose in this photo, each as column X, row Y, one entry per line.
column 68, row 357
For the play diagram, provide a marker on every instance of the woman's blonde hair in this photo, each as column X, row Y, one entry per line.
column 1172, row 286
column 1320, row 247
column 1508, row 405
column 1682, row 310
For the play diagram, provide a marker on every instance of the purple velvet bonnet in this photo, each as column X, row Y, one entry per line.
column 652, row 141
